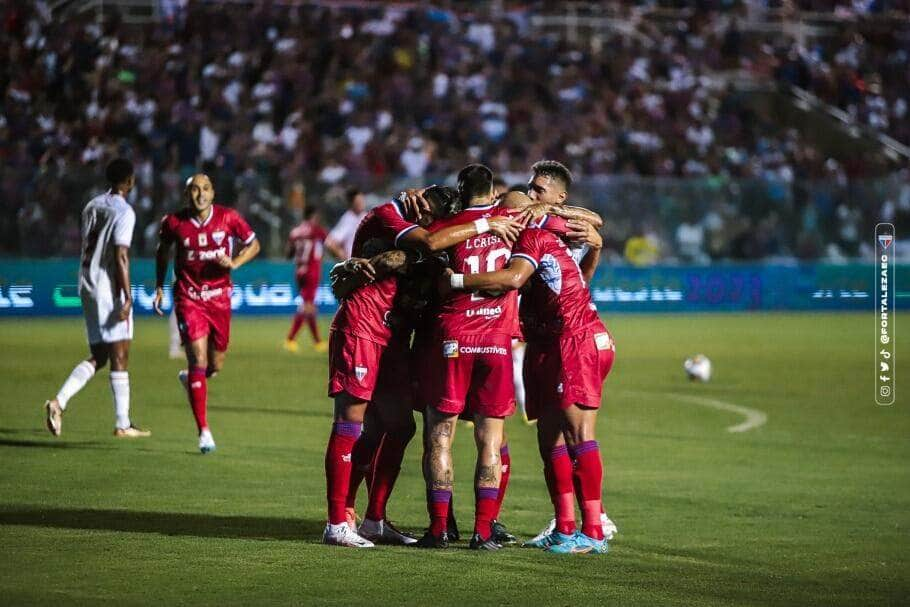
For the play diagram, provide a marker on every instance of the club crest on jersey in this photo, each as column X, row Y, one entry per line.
column 360, row 373
column 203, row 240
column 450, row 348
column 603, row 341
column 551, row 273
column 218, row 237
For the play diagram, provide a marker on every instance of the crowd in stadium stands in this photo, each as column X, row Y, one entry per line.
column 302, row 102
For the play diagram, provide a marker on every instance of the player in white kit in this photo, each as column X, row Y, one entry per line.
column 104, row 287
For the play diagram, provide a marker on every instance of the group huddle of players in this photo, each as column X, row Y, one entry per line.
column 431, row 292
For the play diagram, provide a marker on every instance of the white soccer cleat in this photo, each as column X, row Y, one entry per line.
column 53, row 417
column 548, row 530
column 206, row 442
column 342, row 535
column 609, row 527
column 383, row 532
column 183, row 377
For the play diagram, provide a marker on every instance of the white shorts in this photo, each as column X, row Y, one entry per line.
column 102, row 321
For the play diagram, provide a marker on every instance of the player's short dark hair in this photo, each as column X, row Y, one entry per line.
column 554, row 170
column 309, row 211
column 474, row 180
column 351, row 194
column 118, row 170
column 443, row 200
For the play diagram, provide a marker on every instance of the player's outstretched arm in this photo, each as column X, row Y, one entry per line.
column 123, row 281
column 578, row 214
column 510, row 278
column 507, row 228
column 356, row 272
column 585, row 233
column 162, row 257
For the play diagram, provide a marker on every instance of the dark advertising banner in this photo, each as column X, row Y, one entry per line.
column 49, row 288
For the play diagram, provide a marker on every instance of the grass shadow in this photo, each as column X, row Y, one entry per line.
column 47, row 444
column 164, row 523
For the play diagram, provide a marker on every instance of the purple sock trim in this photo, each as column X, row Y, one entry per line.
column 504, row 450
column 347, row 429
column 559, row 452
column 584, row 447
column 487, row 493
column 438, row 496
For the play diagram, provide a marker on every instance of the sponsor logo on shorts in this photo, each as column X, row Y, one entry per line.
column 346, row 457
column 203, row 240
column 498, row 350
column 450, row 348
column 603, row 341
column 218, row 237
column 360, row 373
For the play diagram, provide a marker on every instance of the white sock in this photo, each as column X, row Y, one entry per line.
column 75, row 382
column 120, row 386
column 518, row 359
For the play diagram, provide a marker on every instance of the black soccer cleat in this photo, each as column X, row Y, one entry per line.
column 478, row 543
column 501, row 535
column 433, row 541
column 452, row 529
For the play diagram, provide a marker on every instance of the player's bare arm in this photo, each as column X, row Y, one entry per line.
column 334, row 247
column 123, row 281
column 506, row 228
column 245, row 255
column 356, row 272
column 585, row 233
column 578, row 214
column 510, row 278
column 162, row 258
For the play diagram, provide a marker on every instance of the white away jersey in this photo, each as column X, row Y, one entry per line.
column 107, row 222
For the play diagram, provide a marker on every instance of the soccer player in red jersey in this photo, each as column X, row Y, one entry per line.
column 570, row 353
column 474, row 369
column 365, row 351
column 305, row 244
column 203, row 234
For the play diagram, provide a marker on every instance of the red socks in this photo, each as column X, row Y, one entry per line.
column 197, row 390
column 385, row 472
column 486, row 505
column 562, row 491
column 314, row 328
column 295, row 326
column 299, row 318
column 589, row 479
column 361, row 465
column 338, row 467
column 438, row 507
column 504, row 479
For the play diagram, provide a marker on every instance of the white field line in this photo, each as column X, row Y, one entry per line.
column 754, row 418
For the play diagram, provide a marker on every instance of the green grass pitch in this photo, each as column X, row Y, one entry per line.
column 811, row 508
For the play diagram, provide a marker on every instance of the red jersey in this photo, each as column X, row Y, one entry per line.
column 557, row 300
column 366, row 312
column 306, row 242
column 463, row 313
column 199, row 276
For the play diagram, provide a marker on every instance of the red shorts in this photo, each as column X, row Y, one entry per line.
column 308, row 283
column 368, row 370
column 474, row 373
column 569, row 370
column 210, row 319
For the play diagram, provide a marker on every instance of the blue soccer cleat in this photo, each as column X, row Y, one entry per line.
column 580, row 544
column 553, row 539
